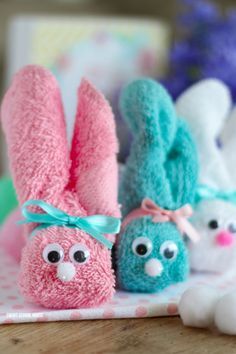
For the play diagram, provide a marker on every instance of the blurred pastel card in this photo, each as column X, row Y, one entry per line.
column 108, row 51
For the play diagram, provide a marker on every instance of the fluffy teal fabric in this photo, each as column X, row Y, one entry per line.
column 162, row 166
column 131, row 274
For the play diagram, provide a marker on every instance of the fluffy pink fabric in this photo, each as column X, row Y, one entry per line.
column 12, row 239
column 34, row 125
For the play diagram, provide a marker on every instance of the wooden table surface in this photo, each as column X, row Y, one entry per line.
column 139, row 336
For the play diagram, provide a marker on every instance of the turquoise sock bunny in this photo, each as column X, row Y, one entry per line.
column 163, row 167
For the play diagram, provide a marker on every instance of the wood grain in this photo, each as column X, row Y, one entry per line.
column 132, row 336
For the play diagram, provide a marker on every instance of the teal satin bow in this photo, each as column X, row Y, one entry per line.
column 205, row 192
column 94, row 225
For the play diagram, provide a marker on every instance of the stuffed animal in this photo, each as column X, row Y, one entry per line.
column 68, row 200
column 206, row 107
column 157, row 186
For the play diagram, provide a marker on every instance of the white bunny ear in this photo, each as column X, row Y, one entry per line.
column 205, row 106
column 228, row 139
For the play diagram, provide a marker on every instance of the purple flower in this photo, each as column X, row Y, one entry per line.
column 208, row 47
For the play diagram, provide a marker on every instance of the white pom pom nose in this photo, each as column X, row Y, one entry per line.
column 66, row 271
column 153, row 267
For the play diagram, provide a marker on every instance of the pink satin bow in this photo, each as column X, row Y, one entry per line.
column 159, row 215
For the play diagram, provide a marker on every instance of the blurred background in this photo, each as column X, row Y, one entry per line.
column 112, row 42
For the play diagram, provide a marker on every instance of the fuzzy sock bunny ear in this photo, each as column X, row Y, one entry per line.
column 205, row 107
column 145, row 104
column 94, row 170
column 150, row 113
column 182, row 166
column 228, row 139
column 34, row 125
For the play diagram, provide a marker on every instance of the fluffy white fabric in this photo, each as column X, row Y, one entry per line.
column 225, row 314
column 207, row 254
column 228, row 139
column 197, row 306
column 206, row 106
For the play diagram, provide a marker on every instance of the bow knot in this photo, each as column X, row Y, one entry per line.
column 95, row 225
column 71, row 220
column 163, row 215
column 159, row 215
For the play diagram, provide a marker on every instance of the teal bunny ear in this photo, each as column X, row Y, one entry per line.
column 182, row 166
column 146, row 106
column 150, row 113
column 163, row 162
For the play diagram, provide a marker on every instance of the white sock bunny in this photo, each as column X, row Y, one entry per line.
column 206, row 106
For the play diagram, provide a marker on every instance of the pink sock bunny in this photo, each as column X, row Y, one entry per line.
column 62, row 265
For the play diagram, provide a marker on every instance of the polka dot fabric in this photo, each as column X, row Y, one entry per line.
column 13, row 308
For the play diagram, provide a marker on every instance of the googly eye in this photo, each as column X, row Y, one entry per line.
column 79, row 254
column 213, row 224
column 53, row 253
column 142, row 246
column 169, row 250
column 232, row 227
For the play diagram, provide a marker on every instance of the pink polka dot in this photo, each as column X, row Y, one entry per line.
column 8, row 321
column 2, row 277
column 141, row 311
column 76, row 315
column 143, row 301
column 172, row 309
column 108, row 313
column 6, row 286
column 12, row 297
column 13, row 272
column 42, row 318
column 18, row 307
column 1, row 303
column 2, row 314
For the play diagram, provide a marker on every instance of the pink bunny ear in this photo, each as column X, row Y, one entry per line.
column 33, row 122
column 94, row 171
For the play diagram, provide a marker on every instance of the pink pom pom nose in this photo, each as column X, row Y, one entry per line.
column 224, row 238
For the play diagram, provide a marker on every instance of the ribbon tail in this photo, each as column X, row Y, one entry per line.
column 23, row 222
column 104, row 224
column 186, row 227
column 39, row 228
